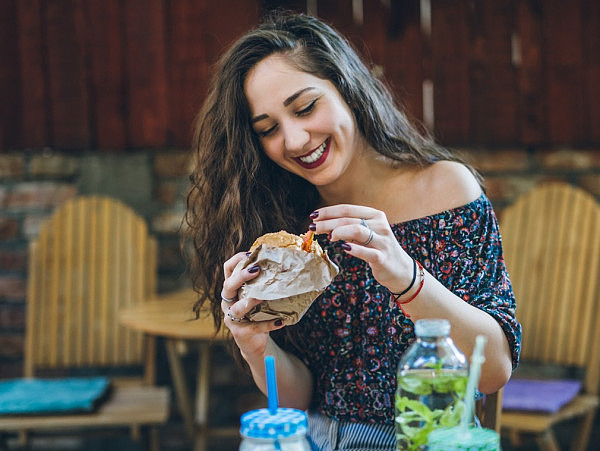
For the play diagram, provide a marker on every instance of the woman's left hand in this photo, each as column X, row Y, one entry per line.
column 367, row 235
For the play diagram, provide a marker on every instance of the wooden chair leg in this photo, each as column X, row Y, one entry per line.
column 582, row 433
column 135, row 432
column 154, row 439
column 547, row 441
column 514, row 437
column 186, row 410
column 23, row 438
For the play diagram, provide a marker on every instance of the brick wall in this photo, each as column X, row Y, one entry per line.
column 34, row 183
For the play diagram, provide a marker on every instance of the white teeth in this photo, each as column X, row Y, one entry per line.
column 318, row 153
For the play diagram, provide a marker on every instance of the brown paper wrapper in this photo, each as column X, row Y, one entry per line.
column 289, row 281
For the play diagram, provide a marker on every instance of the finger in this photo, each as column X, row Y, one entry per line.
column 254, row 327
column 344, row 211
column 232, row 284
column 355, row 233
column 251, row 336
column 370, row 237
column 228, row 301
column 240, row 308
column 367, row 218
column 368, row 254
column 231, row 316
column 230, row 264
column 327, row 226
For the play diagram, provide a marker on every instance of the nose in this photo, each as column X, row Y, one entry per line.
column 295, row 136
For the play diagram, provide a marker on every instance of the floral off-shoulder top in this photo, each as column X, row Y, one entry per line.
column 352, row 336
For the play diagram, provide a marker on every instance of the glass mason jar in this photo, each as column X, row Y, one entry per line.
column 432, row 381
column 283, row 431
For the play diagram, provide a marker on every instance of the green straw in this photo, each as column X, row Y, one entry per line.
column 477, row 360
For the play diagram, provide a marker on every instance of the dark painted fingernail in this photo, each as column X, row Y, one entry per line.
column 346, row 246
column 253, row 269
column 329, row 236
column 312, row 226
column 313, row 215
column 278, row 322
column 248, row 254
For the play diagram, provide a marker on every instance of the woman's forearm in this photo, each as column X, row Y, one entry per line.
column 466, row 323
column 294, row 380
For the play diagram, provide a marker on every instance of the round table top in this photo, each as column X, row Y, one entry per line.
column 171, row 316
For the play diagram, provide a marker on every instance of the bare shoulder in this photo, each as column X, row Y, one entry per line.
column 437, row 188
column 449, row 184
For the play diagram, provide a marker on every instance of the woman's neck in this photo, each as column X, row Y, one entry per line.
column 369, row 182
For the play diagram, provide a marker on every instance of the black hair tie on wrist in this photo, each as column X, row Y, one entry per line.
column 412, row 282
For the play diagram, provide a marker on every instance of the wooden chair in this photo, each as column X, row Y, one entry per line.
column 92, row 258
column 489, row 410
column 551, row 238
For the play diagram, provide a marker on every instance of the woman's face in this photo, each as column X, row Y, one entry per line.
column 303, row 123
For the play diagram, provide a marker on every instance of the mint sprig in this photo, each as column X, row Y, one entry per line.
column 415, row 420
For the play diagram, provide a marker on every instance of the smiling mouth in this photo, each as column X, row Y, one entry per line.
column 315, row 157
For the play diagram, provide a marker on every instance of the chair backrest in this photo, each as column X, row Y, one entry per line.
column 93, row 257
column 551, row 239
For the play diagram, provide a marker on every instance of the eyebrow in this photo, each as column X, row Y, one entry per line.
column 286, row 103
column 294, row 96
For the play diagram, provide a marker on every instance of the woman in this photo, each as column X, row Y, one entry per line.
column 297, row 134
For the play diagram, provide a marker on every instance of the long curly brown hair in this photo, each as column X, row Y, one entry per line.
column 237, row 193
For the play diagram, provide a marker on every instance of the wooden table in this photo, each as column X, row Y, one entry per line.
column 170, row 316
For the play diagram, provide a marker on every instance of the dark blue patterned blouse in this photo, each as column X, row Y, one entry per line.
column 352, row 339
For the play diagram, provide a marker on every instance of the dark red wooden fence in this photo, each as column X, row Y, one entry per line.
column 127, row 74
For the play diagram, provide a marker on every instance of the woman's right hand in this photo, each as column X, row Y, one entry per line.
column 250, row 336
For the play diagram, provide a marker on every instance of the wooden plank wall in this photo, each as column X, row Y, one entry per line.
column 116, row 75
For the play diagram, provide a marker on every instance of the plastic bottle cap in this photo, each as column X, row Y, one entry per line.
column 285, row 423
column 432, row 328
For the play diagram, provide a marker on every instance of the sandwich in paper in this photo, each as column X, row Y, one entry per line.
column 294, row 271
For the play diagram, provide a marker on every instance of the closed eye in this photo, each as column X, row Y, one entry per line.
column 267, row 132
column 303, row 112
column 308, row 109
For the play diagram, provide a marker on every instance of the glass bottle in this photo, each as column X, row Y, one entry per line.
column 285, row 430
column 432, row 381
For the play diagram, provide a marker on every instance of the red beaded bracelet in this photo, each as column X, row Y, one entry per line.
column 421, row 283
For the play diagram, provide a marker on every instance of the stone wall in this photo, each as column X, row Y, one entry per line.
column 154, row 183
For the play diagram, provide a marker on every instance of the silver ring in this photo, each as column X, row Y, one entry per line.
column 363, row 222
column 233, row 318
column 227, row 300
column 371, row 234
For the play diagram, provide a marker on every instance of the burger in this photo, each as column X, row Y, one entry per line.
column 288, row 240
column 294, row 271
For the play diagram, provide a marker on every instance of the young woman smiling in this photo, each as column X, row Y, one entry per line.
column 296, row 133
